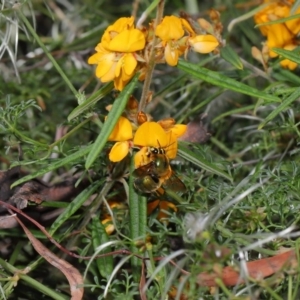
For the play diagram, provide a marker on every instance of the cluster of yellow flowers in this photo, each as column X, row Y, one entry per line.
column 124, row 49
column 279, row 35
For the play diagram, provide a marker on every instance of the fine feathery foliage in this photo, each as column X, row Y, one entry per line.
column 149, row 150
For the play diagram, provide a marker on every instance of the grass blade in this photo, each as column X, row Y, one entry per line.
column 112, row 118
column 92, row 100
column 190, row 156
column 217, row 79
column 286, row 103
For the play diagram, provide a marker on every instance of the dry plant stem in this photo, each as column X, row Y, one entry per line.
column 151, row 64
column 41, row 44
column 135, row 6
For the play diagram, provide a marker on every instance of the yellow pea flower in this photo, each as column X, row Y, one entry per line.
column 278, row 36
column 122, row 135
column 170, row 31
column 203, row 43
column 116, row 57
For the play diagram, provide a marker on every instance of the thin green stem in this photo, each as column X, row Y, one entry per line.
column 70, row 133
column 51, row 58
column 151, row 64
column 32, row 282
column 90, row 213
column 23, row 137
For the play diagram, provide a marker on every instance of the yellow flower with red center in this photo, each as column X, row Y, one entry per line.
column 116, row 57
column 279, row 35
column 172, row 31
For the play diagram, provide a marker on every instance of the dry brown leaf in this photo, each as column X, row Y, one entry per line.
column 143, row 283
column 72, row 274
column 257, row 269
column 196, row 133
column 8, row 221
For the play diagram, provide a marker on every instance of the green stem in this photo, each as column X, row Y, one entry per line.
column 151, row 64
column 32, row 282
column 90, row 213
column 23, row 137
column 70, row 133
column 51, row 58
column 142, row 218
column 137, row 223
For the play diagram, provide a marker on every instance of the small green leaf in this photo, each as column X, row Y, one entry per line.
column 279, row 21
column 284, row 75
column 286, row 103
column 54, row 165
column 220, row 80
column 100, row 237
column 137, row 221
column 190, row 156
column 112, row 119
column 74, row 206
column 233, row 111
column 291, row 55
column 228, row 54
column 92, row 100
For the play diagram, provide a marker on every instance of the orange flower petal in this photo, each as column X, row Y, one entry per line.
column 170, row 29
column 120, row 83
column 118, row 151
column 150, row 134
column 294, row 25
column 114, row 29
column 171, row 55
column 278, row 36
column 128, row 41
column 140, row 158
column 130, row 64
column 122, row 131
column 179, row 129
column 187, row 26
column 171, row 149
column 151, row 206
column 204, row 43
column 165, row 206
column 122, row 24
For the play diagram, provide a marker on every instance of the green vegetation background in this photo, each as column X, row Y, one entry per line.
column 254, row 139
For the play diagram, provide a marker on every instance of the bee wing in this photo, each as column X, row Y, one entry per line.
column 143, row 170
column 174, row 184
